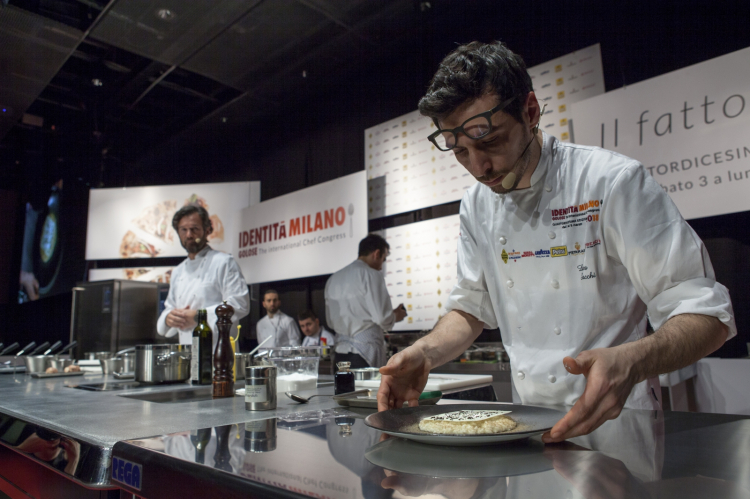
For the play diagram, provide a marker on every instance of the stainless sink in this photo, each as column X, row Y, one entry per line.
column 174, row 396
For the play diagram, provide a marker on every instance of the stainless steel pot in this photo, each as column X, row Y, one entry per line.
column 128, row 362
column 162, row 363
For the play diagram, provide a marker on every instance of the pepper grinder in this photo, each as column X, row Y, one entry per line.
column 223, row 382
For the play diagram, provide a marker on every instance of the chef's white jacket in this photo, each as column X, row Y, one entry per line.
column 314, row 341
column 282, row 328
column 358, row 308
column 575, row 262
column 205, row 282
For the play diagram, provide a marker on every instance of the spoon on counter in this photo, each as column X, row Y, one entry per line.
column 304, row 400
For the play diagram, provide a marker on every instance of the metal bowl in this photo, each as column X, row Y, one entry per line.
column 36, row 363
column 110, row 366
column 364, row 373
column 60, row 364
column 97, row 355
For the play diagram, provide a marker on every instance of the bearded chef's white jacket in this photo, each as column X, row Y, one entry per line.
column 575, row 262
column 205, row 282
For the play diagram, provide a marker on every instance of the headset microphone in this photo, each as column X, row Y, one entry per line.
column 509, row 180
column 197, row 240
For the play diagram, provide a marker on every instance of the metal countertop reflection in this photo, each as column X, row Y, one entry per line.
column 331, row 453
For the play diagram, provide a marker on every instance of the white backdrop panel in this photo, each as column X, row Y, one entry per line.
column 313, row 231
column 690, row 128
column 421, row 270
column 136, row 222
column 406, row 172
column 147, row 274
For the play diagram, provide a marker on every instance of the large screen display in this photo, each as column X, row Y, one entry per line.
column 406, row 172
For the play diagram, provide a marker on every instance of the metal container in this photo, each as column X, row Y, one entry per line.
column 60, row 364
column 240, row 359
column 37, row 363
column 97, row 355
column 162, row 363
column 364, row 373
column 128, row 362
column 260, row 388
column 260, row 436
column 110, row 366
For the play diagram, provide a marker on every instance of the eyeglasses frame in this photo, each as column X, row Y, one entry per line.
column 460, row 129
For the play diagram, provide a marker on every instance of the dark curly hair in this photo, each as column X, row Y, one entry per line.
column 189, row 209
column 473, row 70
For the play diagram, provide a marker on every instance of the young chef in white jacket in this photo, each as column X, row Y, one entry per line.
column 566, row 249
column 310, row 326
column 205, row 279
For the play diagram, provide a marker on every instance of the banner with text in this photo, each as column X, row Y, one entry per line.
column 136, row 222
column 421, row 270
column 310, row 232
column 690, row 128
column 406, row 172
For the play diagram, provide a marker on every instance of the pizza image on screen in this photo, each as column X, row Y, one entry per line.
column 132, row 247
column 156, row 220
column 218, row 233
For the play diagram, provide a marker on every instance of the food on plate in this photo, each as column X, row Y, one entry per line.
column 157, row 220
column 469, row 422
column 218, row 232
column 51, row 370
column 132, row 247
column 197, row 201
column 72, row 369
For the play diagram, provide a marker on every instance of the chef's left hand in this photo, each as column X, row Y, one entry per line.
column 181, row 318
column 609, row 381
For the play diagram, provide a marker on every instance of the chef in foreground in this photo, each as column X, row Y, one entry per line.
column 567, row 249
column 205, row 279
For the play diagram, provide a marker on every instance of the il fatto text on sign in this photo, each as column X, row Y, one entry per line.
column 305, row 224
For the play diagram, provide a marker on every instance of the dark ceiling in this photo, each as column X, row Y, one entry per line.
column 91, row 87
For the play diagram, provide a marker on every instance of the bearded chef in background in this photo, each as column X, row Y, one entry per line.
column 205, row 279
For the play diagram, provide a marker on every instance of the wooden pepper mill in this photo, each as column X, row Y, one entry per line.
column 223, row 383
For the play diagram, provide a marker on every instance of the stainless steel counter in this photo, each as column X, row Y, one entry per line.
column 93, row 421
column 642, row 454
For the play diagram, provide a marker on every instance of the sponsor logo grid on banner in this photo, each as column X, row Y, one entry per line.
column 690, row 128
column 421, row 270
column 406, row 172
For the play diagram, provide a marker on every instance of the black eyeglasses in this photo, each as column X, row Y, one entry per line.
column 475, row 128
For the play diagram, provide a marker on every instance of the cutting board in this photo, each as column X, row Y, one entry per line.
column 439, row 381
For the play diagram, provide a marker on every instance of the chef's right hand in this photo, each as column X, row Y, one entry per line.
column 181, row 318
column 403, row 379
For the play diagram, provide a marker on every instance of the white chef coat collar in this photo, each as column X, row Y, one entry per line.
column 545, row 157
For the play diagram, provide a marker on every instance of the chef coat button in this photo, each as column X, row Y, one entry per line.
column 509, row 283
column 555, row 284
column 557, row 331
column 521, row 375
column 551, row 378
column 503, row 240
column 552, row 235
column 548, row 188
